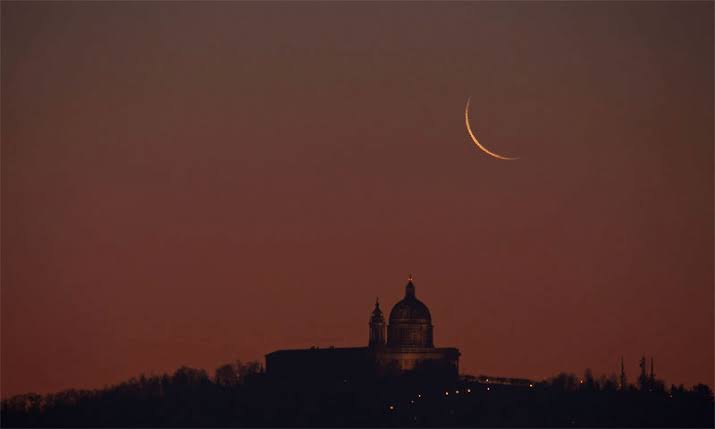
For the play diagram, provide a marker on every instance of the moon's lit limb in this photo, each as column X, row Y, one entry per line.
column 474, row 138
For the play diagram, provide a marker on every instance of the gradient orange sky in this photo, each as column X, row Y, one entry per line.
column 189, row 183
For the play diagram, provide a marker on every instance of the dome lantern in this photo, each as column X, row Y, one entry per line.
column 410, row 288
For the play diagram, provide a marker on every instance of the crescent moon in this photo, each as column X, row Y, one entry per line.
column 474, row 138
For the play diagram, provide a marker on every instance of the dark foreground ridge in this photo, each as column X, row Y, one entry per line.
column 244, row 395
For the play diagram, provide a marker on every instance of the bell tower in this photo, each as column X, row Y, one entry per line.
column 377, row 327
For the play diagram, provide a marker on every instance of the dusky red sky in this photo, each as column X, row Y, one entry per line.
column 188, row 183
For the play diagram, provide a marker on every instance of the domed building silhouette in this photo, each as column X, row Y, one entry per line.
column 405, row 344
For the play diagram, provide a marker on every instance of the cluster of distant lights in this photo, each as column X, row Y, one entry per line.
column 456, row 392
column 469, row 390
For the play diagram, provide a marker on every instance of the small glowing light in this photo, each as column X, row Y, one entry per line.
column 580, row 381
column 469, row 390
column 392, row 407
column 457, row 392
column 419, row 395
column 531, row 385
column 446, row 393
column 487, row 380
column 488, row 388
column 412, row 401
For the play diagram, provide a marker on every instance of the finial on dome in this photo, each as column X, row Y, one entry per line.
column 409, row 277
column 410, row 288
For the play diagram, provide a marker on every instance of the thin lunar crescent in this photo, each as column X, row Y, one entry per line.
column 474, row 138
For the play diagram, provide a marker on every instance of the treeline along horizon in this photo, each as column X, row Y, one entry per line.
column 242, row 394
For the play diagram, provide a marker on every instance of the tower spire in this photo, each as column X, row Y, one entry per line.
column 623, row 375
column 377, row 327
column 643, row 378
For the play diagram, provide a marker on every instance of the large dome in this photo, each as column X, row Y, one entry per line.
column 410, row 322
column 410, row 309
